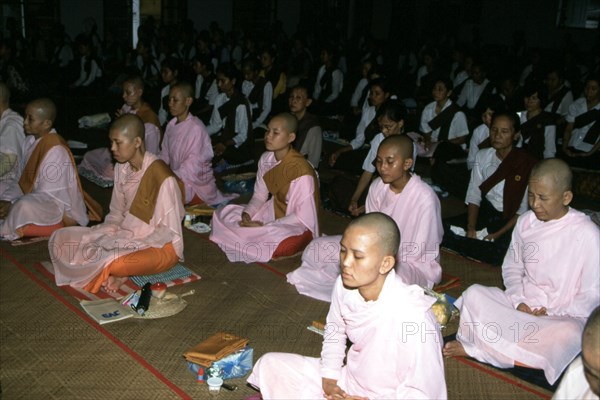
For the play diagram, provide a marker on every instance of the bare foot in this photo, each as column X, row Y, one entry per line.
column 454, row 349
column 113, row 283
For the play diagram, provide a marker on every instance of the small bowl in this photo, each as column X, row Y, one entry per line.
column 214, row 384
column 159, row 289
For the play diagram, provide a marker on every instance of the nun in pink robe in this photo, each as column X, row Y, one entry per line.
column 553, row 264
column 79, row 254
column 55, row 192
column 186, row 148
column 417, row 213
column 249, row 244
column 395, row 352
column 100, row 161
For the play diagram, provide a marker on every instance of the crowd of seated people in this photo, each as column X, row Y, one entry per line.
column 199, row 103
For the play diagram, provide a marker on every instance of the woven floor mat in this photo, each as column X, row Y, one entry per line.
column 49, row 351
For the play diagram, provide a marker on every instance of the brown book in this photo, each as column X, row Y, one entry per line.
column 214, row 348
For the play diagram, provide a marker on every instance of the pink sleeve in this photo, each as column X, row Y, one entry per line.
column 205, row 157
column 193, row 162
column 117, row 202
column 152, row 138
column 372, row 203
column 588, row 293
column 261, row 193
column 334, row 338
column 301, row 206
column 513, row 268
column 425, row 369
column 426, row 236
column 163, row 154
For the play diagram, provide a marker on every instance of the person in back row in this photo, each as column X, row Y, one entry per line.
column 309, row 138
column 283, row 215
column 99, row 161
column 409, row 201
column 381, row 316
column 231, row 120
column 496, row 194
column 142, row 233
column 187, row 150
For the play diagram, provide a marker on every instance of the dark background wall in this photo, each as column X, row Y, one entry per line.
column 406, row 21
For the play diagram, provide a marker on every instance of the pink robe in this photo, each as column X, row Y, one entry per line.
column 100, row 161
column 417, row 213
column 249, row 244
column 54, row 194
column 554, row 264
column 186, row 148
column 79, row 254
column 395, row 352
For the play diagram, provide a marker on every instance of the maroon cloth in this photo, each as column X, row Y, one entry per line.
column 534, row 129
column 514, row 171
column 443, row 120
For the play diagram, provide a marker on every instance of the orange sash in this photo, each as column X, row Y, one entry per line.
column 278, row 180
column 144, row 201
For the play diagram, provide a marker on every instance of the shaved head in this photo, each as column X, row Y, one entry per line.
column 186, row 88
column 289, row 120
column 557, row 171
column 402, row 143
column 129, row 126
column 384, row 227
column 44, row 108
column 136, row 81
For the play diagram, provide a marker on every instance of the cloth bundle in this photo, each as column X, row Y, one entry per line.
column 457, row 230
column 214, row 348
column 94, row 121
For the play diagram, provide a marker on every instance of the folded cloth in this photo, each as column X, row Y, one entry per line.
column 457, row 230
column 214, row 348
column 95, row 120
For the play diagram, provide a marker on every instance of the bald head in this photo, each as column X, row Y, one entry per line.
column 556, row 171
column 403, row 144
column 185, row 88
column 44, row 108
column 129, row 126
column 384, row 227
column 289, row 121
column 136, row 81
column 4, row 95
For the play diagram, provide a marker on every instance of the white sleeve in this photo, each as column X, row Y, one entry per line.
column 337, row 83
column 550, row 141
column 216, row 123
column 458, row 126
column 473, row 192
column 267, row 103
column 241, row 125
column 312, row 145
